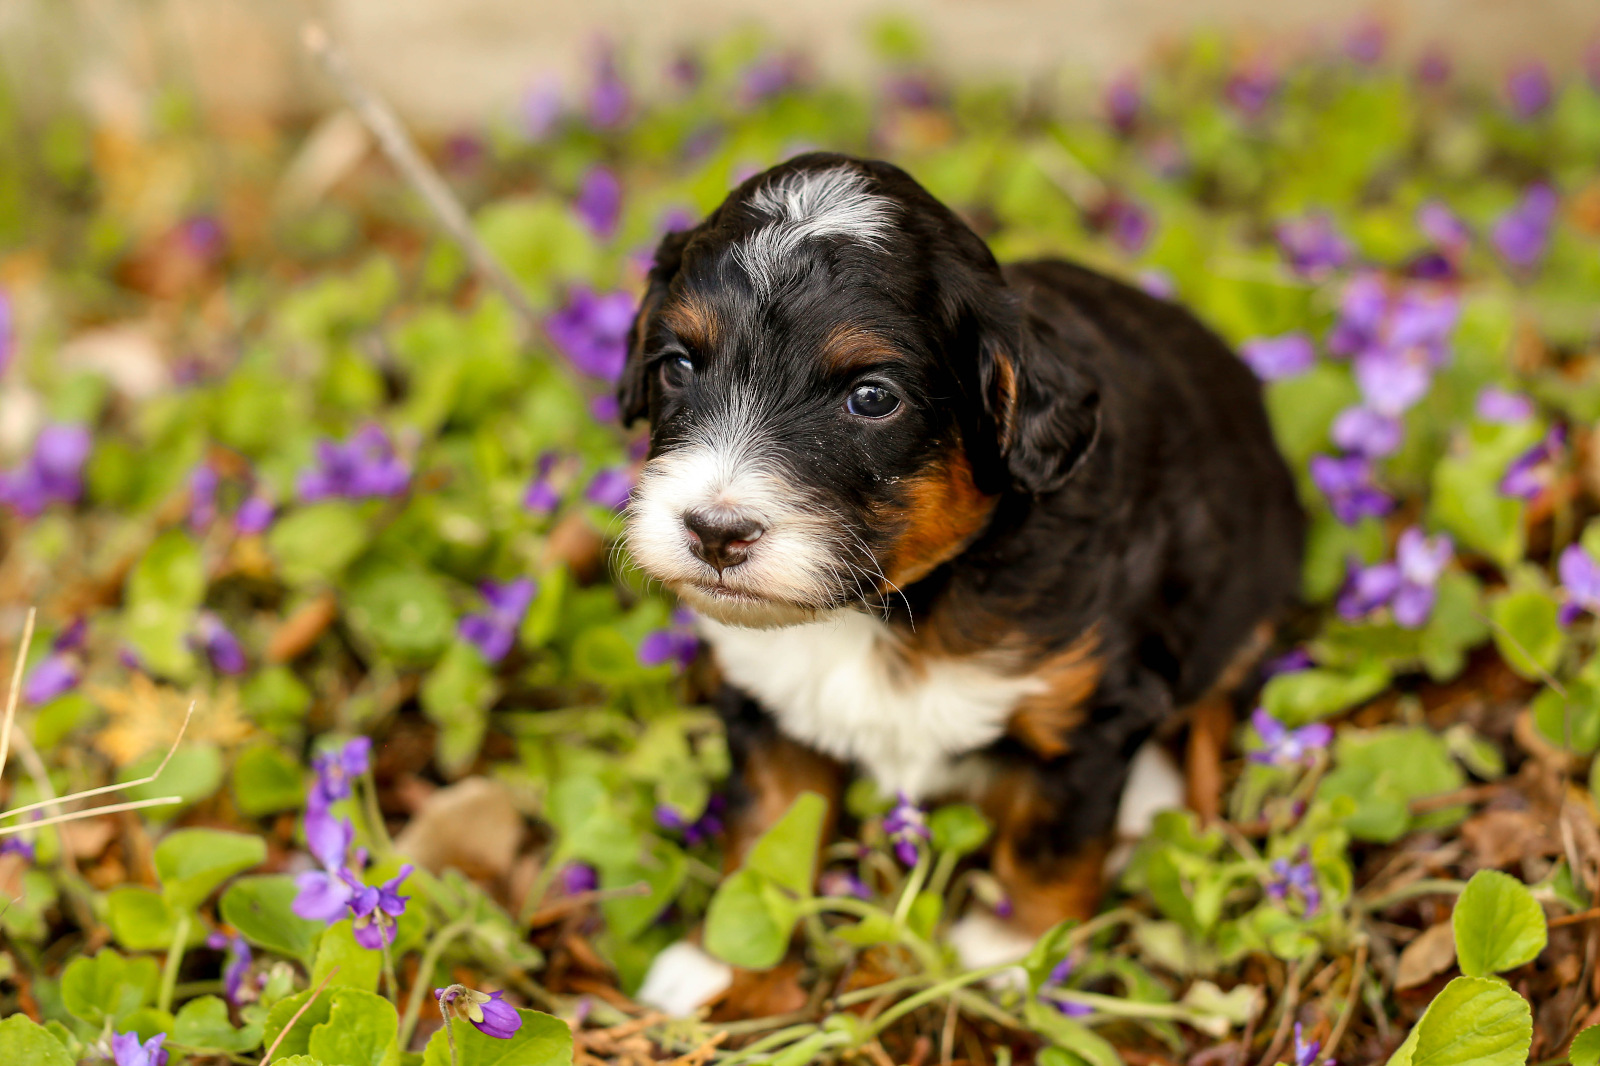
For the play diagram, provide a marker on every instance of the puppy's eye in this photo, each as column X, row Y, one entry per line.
column 676, row 371
column 872, row 401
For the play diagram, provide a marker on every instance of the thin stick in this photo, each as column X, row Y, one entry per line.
column 1291, row 1002
column 102, row 790
column 16, row 688
column 88, row 812
column 1357, row 970
column 580, row 900
column 418, row 172
column 296, row 1017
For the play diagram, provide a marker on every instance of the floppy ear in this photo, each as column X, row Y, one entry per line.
column 1046, row 413
column 633, row 390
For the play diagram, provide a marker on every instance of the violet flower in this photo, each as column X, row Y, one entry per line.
column 54, row 675
column 8, row 333
column 495, row 630
column 542, row 497
column 1528, row 90
column 767, row 77
column 1522, row 234
column 842, row 884
column 592, row 331
column 1284, row 747
column 1251, row 88
column 127, row 1051
column 1580, row 583
column 1313, row 246
column 52, row 472
column 1290, row 662
column 254, row 516
column 1305, row 1054
column 363, row 467
column 1363, row 431
column 1130, row 225
column 1347, row 483
column 1503, row 407
column 1123, row 102
column 611, row 488
column 336, row 769
column 1366, row 41
column 1274, row 358
column 237, row 964
column 704, row 828
column 1443, row 226
column 1410, row 325
column 1157, row 282
column 1408, row 586
column 375, row 909
column 608, row 95
column 221, row 647
column 1055, row 983
column 203, row 482
column 677, row 642
column 1433, row 67
column 1295, row 880
column 907, row 827
column 323, row 894
column 487, row 1012
column 599, row 201
column 540, row 108
column 15, row 845
column 1535, row 470
column 578, row 877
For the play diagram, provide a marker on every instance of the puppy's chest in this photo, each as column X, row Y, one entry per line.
column 842, row 687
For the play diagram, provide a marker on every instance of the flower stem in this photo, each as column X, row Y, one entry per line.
column 911, row 889
column 388, row 972
column 938, row 991
column 169, row 972
column 372, row 814
column 430, row 960
column 449, row 1032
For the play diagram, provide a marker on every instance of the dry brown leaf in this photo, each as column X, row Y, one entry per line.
column 145, row 717
column 1427, row 956
column 88, row 837
column 1498, row 838
column 471, row 826
column 302, row 628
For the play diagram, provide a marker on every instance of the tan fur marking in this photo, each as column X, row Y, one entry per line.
column 1005, row 383
column 850, row 347
column 775, row 774
column 1041, row 897
column 693, row 320
column 944, row 510
column 1044, row 722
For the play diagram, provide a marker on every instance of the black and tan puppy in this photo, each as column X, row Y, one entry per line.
column 969, row 530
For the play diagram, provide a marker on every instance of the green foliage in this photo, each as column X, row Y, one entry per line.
column 542, row 1040
column 261, row 909
column 1474, row 1020
column 341, row 1027
column 755, row 908
column 1498, row 924
column 192, row 863
column 25, row 1043
column 107, row 987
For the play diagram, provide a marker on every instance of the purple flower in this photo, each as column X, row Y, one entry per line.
column 237, row 964
column 704, row 828
column 1291, row 662
column 1529, row 91
column 1130, row 225
column 676, row 642
column 1433, row 68
column 608, row 95
column 1443, row 226
column 842, row 884
column 375, row 909
column 1365, row 42
column 1055, row 983
column 599, row 201
column 1251, row 88
column 1411, row 326
column 1347, row 483
column 203, row 482
column 1503, row 406
column 363, row 467
column 323, row 894
column 1408, row 586
column 1273, row 358
column 254, row 515
column 488, row 1013
column 54, row 675
column 1295, row 879
column 336, row 769
column 52, row 473
column 578, row 877
column 8, row 333
column 1157, row 283
column 907, row 828
column 15, row 845
column 1313, row 246
column 1535, row 470
column 1305, row 1054
column 610, row 488
column 495, row 630
column 1366, row 432
column 127, row 1051
column 604, row 407
column 768, row 76
column 592, row 331
column 202, row 236
column 1522, row 234
column 542, row 497
column 1580, row 583
column 541, row 108
column 1284, row 747
column 219, row 644
column 1123, row 102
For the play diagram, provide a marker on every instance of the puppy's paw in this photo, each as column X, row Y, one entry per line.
column 1155, row 784
column 682, row 979
column 980, row 939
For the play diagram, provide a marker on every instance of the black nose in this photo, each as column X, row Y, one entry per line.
column 721, row 538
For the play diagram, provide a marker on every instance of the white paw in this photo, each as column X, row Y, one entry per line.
column 980, row 939
column 682, row 979
column 1155, row 784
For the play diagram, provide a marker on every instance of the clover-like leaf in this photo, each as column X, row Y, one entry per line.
column 1474, row 1020
column 1498, row 924
column 1585, row 1049
column 24, row 1042
column 107, row 987
column 261, row 908
column 193, row 862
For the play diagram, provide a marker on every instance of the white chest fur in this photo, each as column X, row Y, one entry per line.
column 839, row 686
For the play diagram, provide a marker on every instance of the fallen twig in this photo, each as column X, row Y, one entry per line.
column 16, row 688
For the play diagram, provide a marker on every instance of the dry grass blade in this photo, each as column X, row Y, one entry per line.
column 16, row 688
column 103, row 789
column 296, row 1017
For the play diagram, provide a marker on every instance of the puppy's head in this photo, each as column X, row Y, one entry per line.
column 839, row 386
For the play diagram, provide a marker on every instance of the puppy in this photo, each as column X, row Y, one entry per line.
column 972, row 531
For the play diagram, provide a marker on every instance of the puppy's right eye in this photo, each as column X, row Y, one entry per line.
column 676, row 371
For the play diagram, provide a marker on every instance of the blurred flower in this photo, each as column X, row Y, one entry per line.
column 684, row 70
column 604, row 407
column 363, row 467
column 608, row 94
column 1534, row 471
column 1396, row 339
column 912, row 89
column 237, row 964
column 375, row 909
column 221, row 647
column 8, row 332
column 578, row 877
column 1366, row 41
column 1366, row 432
column 703, row 829
column 1157, row 283
column 1529, row 91
column 1284, row 356
column 1055, row 983
column 1251, row 88
column 842, row 884
column 1284, row 747
column 1580, row 583
column 254, row 515
column 1408, row 586
column 1443, row 226
column 15, row 845
column 1347, row 483
column 1433, row 68
column 1297, row 879
column 202, row 236
column 1123, row 102
column 494, row 631
column 599, row 201
column 541, row 108
column 1291, row 662
column 592, row 331
column 488, row 1013
column 1305, row 1054
column 768, row 76
column 1522, row 234
column 203, row 482
column 907, row 827
column 542, row 497
column 610, row 488
column 54, row 675
column 336, row 769
column 676, row 642
column 1313, row 245
column 127, row 1051
column 52, row 472
column 322, row 895
column 1503, row 406
column 1129, row 224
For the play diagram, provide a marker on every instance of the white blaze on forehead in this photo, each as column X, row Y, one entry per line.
column 806, row 205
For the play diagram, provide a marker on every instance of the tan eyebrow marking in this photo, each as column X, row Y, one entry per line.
column 693, row 320
column 849, row 347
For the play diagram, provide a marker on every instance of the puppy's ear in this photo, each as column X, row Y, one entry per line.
column 1046, row 413
column 633, row 389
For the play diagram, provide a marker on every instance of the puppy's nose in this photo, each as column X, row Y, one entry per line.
column 721, row 538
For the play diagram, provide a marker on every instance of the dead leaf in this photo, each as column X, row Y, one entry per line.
column 1498, row 838
column 145, row 717
column 88, row 837
column 302, row 628
column 1427, row 956
column 472, row 826
column 761, row 994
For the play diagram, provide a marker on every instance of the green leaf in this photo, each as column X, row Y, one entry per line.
column 107, row 986
column 1474, row 1021
column 1306, row 695
column 1585, row 1049
column 1498, row 924
column 1527, row 631
column 787, row 852
column 1466, row 498
column 316, row 543
column 203, row 1023
column 170, row 572
column 958, row 828
column 266, row 780
column 543, row 1040
column 261, row 908
column 1070, row 1036
column 456, row 696
column 343, row 1027
column 403, row 610
column 193, row 773
column 358, row 966
column 140, row 919
column 25, row 1043
column 743, row 927
column 193, row 862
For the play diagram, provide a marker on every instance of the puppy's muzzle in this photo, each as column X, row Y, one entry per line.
column 720, row 538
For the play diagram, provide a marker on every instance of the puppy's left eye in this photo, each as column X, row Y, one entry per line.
column 872, row 401
column 676, row 371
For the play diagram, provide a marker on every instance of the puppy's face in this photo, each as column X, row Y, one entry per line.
column 823, row 418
